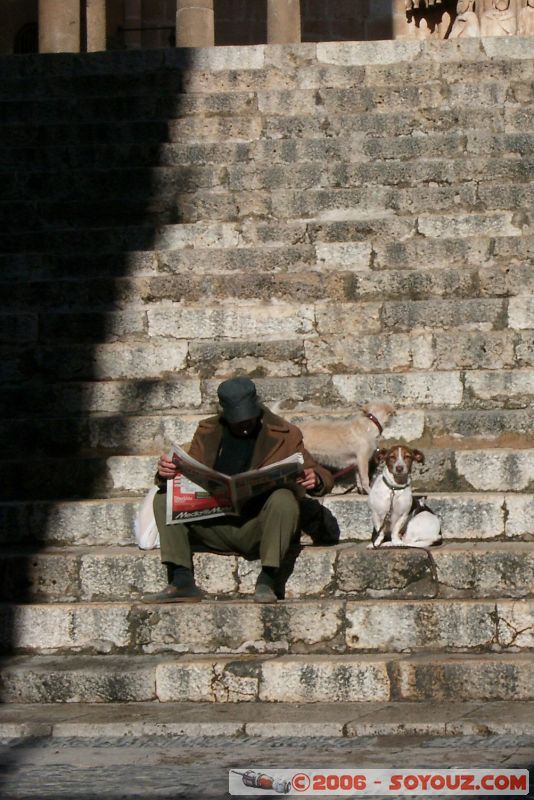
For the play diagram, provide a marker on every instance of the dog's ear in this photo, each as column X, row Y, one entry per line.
column 418, row 456
column 380, row 455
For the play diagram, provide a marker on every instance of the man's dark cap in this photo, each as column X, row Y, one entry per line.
column 238, row 400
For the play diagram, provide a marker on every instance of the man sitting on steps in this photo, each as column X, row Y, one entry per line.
column 245, row 435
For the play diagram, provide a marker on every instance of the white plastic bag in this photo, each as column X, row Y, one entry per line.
column 145, row 528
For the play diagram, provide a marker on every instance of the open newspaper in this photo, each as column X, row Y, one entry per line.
column 198, row 492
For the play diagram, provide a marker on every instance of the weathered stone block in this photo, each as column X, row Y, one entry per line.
column 93, row 327
column 201, row 234
column 521, row 312
column 493, row 470
column 347, row 316
column 481, row 93
column 491, row 224
column 287, row 102
column 512, row 196
column 349, row 255
column 515, row 625
column 513, row 388
column 212, row 129
column 87, row 522
column 525, row 348
column 244, row 260
column 438, row 198
column 496, row 677
column 401, row 73
column 205, row 679
column 476, row 349
column 406, row 425
column 468, row 516
column 121, row 575
column 215, row 574
column 441, row 314
column 364, row 53
column 480, row 427
column 353, row 516
column 448, row 145
column 135, row 396
column 312, row 573
column 273, row 320
column 412, row 283
column 272, row 358
column 337, row 679
column 114, row 361
column 318, row 203
column 39, row 577
column 109, row 679
column 381, row 573
column 401, row 626
column 369, row 353
column 215, row 628
column 403, row 389
column 435, row 253
column 509, row 47
column 48, row 629
column 131, row 473
column 355, row 225
column 520, row 515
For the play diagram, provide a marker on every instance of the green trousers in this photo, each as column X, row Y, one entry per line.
column 266, row 536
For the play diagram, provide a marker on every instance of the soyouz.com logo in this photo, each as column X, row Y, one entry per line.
column 398, row 782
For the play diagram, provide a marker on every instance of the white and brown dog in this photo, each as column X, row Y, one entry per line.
column 338, row 443
column 400, row 520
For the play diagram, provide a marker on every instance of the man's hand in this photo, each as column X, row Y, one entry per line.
column 166, row 468
column 308, row 479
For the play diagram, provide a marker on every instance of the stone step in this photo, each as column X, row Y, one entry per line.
column 316, row 189
column 290, row 274
column 280, row 679
column 358, row 144
column 445, row 470
column 474, row 569
column 472, row 239
column 314, row 89
column 464, row 516
column 60, row 436
column 321, row 100
column 304, row 396
column 166, row 346
column 242, row 137
column 180, row 200
column 303, row 67
column 161, row 318
column 326, row 625
column 121, row 720
column 135, row 108
column 311, row 395
column 385, row 58
column 501, row 266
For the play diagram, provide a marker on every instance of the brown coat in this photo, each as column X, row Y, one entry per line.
column 277, row 440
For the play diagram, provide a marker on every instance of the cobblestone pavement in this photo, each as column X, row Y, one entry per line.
column 185, row 768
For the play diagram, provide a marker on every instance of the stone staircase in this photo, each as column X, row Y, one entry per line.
column 341, row 222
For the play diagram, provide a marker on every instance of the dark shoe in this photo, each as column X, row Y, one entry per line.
column 174, row 594
column 264, row 591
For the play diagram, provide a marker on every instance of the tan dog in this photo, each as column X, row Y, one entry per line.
column 338, row 443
